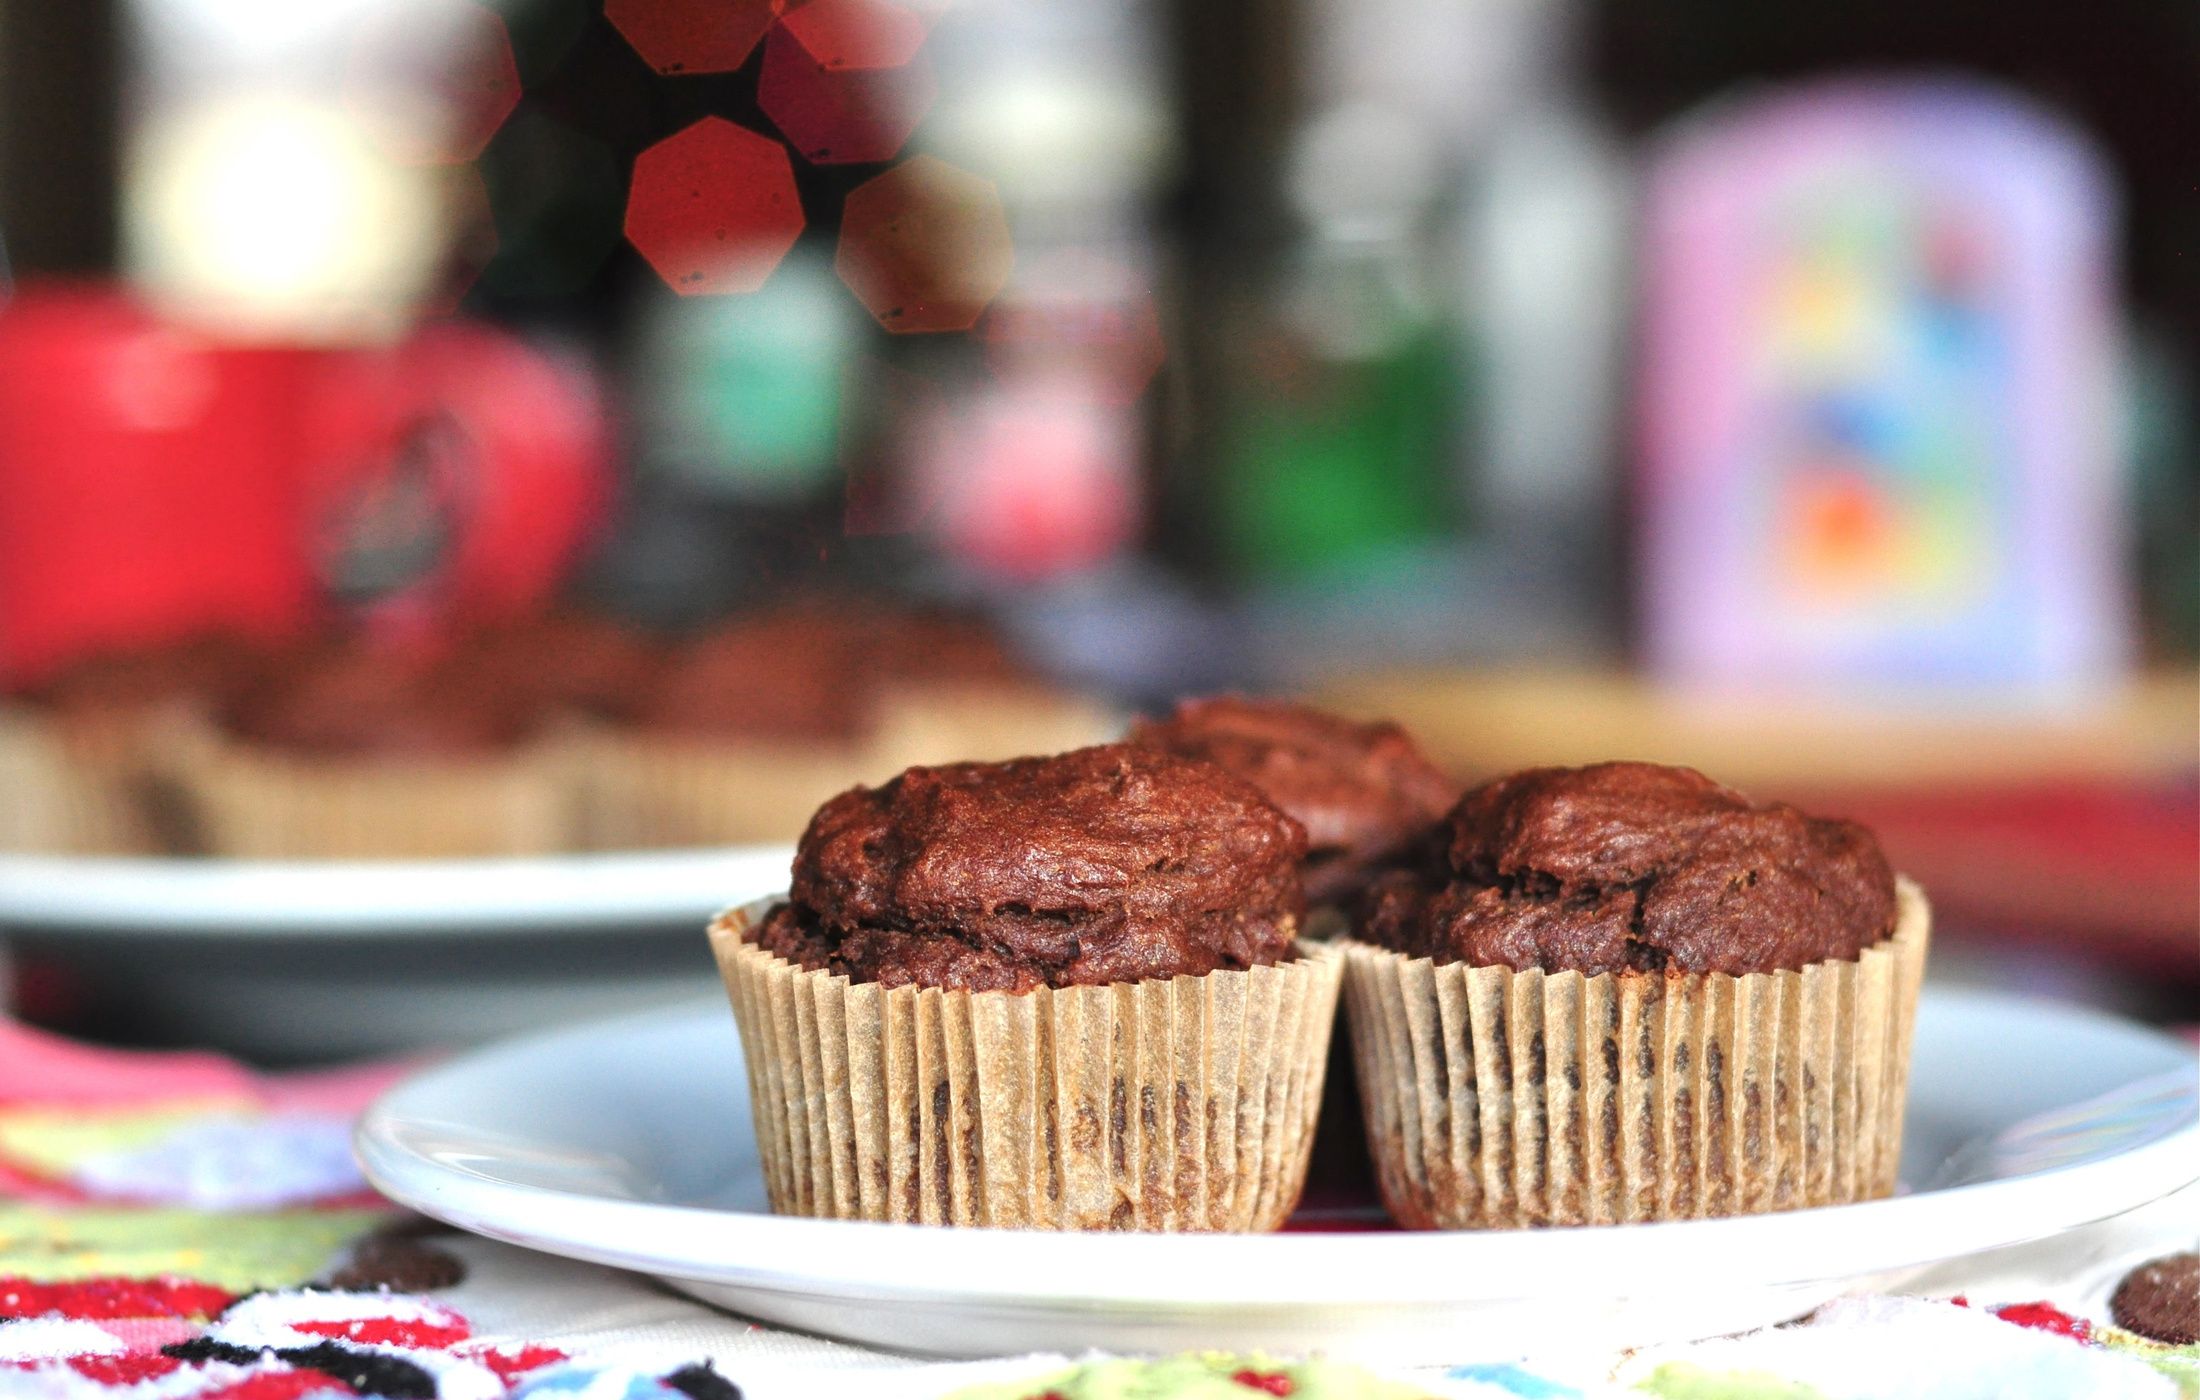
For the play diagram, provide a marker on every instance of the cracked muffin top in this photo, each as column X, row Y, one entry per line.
column 1634, row 867
column 1110, row 864
column 1365, row 793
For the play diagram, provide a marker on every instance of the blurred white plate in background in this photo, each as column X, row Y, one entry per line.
column 287, row 961
column 129, row 897
column 629, row 1143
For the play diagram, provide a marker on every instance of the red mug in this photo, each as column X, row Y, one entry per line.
column 155, row 483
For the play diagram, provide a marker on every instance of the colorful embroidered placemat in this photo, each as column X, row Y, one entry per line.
column 176, row 1227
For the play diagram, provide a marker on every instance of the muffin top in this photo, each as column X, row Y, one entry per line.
column 813, row 668
column 205, row 667
column 577, row 661
column 357, row 696
column 1110, row 864
column 1364, row 792
column 1634, row 867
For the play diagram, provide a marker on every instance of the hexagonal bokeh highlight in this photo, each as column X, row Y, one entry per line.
column 693, row 36
column 924, row 246
column 841, row 115
column 713, row 208
column 842, row 34
column 431, row 81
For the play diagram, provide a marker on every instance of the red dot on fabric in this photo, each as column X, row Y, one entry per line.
column 714, row 208
column 510, row 1363
column 2045, row 1317
column 925, row 246
column 692, row 36
column 95, row 1299
column 841, row 115
column 127, row 1368
column 278, row 1385
column 390, row 1332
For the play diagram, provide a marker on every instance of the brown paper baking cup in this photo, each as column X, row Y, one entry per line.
column 32, row 772
column 1499, row 1098
column 78, row 785
column 1184, row 1104
column 252, row 803
column 641, row 791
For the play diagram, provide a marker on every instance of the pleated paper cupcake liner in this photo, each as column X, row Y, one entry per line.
column 80, row 786
column 1497, row 1098
column 1180, row 1104
column 642, row 791
column 244, row 801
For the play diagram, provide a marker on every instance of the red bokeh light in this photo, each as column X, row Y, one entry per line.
column 843, row 115
column 1031, row 479
column 457, row 54
column 693, row 36
column 843, row 34
column 713, row 208
column 924, row 246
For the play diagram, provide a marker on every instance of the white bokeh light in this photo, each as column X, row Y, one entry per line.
column 272, row 216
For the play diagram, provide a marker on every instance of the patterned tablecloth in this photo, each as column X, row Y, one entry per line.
column 175, row 1227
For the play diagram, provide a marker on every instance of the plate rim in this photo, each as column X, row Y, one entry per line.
column 129, row 898
column 1181, row 1272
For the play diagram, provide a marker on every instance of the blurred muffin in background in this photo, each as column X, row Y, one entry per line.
column 356, row 747
column 806, row 670
column 79, row 751
column 356, row 697
column 750, row 726
column 573, row 663
column 1366, row 794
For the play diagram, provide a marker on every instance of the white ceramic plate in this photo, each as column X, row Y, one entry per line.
column 628, row 1143
column 132, row 898
column 314, row 960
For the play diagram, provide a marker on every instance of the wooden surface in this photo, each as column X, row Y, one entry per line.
column 1477, row 723
column 2076, row 829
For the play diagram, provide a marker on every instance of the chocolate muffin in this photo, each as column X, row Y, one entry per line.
column 356, row 696
column 1623, row 993
column 748, row 728
column 815, row 668
column 1365, row 793
column 576, row 662
column 1111, row 864
column 86, row 744
column 1048, row 993
column 357, row 748
column 133, row 679
column 1633, row 867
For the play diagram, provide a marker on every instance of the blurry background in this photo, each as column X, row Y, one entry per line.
column 1808, row 393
